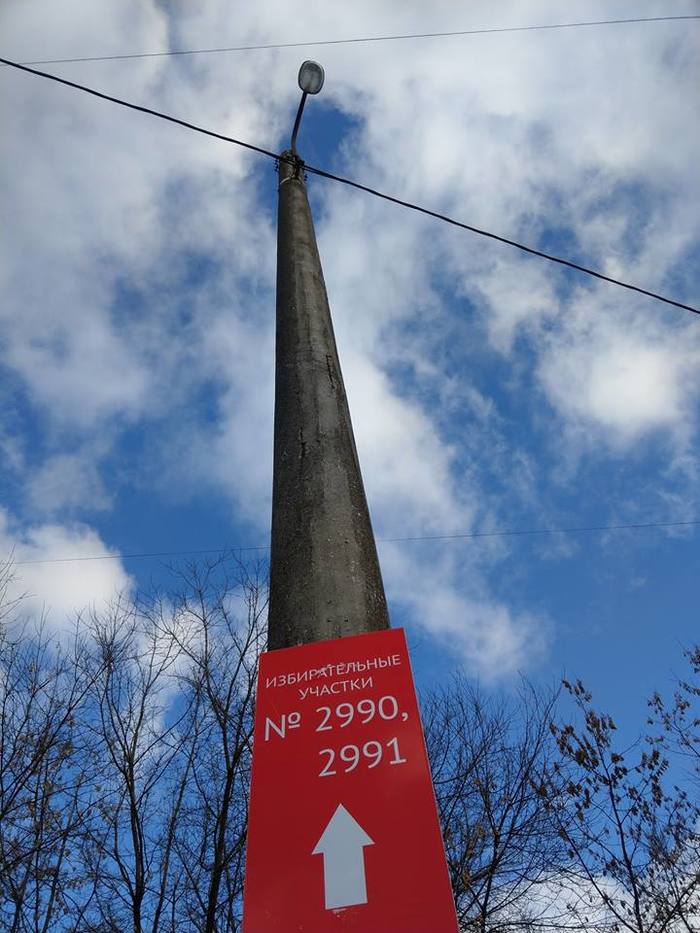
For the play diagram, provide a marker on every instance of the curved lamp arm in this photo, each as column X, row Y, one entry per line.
column 311, row 78
column 297, row 122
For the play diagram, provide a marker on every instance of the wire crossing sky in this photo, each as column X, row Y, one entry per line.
column 507, row 533
column 487, row 30
column 346, row 181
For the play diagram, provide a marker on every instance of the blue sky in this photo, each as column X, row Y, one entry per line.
column 489, row 390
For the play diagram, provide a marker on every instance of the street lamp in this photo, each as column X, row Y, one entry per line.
column 311, row 77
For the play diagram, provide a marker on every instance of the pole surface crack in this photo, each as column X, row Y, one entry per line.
column 329, row 365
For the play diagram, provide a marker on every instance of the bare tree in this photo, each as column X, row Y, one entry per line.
column 678, row 722
column 125, row 760
column 490, row 761
column 125, row 756
column 679, row 718
column 140, row 753
column 171, row 720
column 633, row 861
column 226, row 634
column 44, row 783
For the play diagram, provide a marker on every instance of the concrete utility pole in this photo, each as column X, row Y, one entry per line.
column 325, row 580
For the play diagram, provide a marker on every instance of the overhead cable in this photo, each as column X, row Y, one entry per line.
column 471, row 535
column 132, row 106
column 501, row 239
column 347, row 181
column 487, row 30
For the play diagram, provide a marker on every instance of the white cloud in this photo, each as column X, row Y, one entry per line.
column 65, row 481
column 618, row 381
column 52, row 585
column 446, row 597
column 407, row 464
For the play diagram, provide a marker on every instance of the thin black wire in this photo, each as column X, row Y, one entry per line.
column 544, row 531
column 419, row 35
column 451, row 537
column 347, row 181
column 148, row 110
column 500, row 239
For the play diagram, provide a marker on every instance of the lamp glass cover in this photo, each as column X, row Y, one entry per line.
column 311, row 77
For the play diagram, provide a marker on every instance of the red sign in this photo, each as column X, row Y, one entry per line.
column 343, row 829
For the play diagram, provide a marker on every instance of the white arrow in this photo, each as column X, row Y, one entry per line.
column 341, row 845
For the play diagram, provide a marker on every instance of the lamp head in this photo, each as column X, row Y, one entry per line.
column 311, row 77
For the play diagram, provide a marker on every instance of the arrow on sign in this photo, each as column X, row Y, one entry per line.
column 341, row 845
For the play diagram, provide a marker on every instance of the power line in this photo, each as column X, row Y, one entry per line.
column 131, row 106
column 347, row 181
column 508, row 533
column 488, row 30
column 501, row 239
column 144, row 554
column 545, row 531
